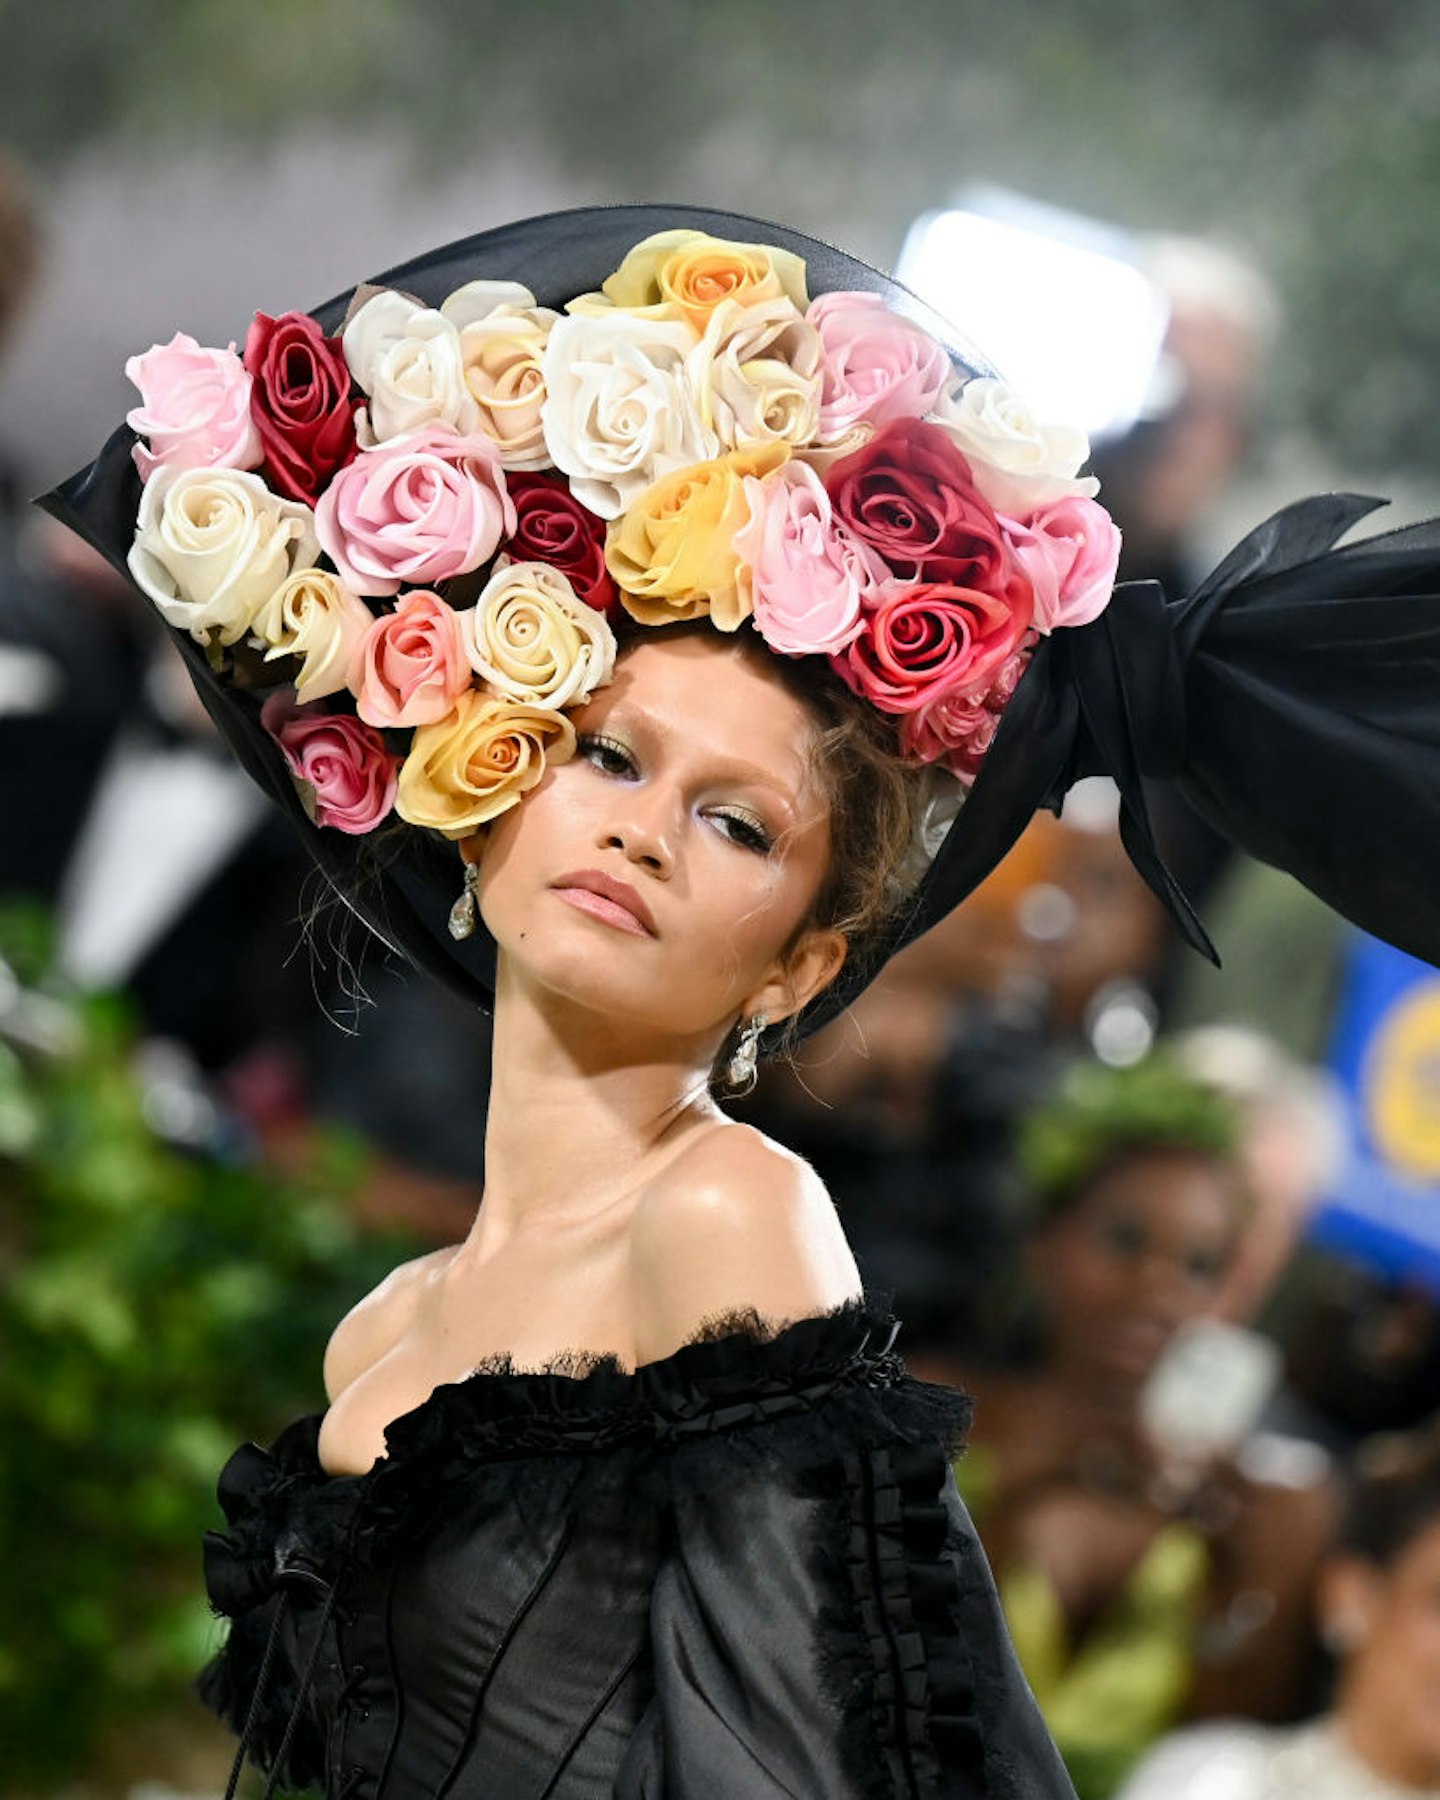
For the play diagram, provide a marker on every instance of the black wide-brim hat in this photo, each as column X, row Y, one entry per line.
column 1293, row 698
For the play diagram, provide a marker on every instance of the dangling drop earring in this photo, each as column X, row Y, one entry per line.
column 742, row 1068
column 465, row 913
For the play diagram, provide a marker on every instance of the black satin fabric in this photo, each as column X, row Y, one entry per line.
column 741, row 1572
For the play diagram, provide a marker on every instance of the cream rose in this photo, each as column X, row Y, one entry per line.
column 1019, row 462
column 478, row 761
column 314, row 616
column 756, row 375
column 212, row 546
column 618, row 412
column 407, row 359
column 532, row 638
column 502, row 348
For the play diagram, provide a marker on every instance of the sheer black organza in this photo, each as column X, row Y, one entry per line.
column 1294, row 697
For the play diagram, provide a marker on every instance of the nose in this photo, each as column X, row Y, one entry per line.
column 641, row 827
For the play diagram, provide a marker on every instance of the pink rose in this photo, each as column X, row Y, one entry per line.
column 958, row 727
column 411, row 665
column 417, row 508
column 808, row 577
column 1070, row 550
column 345, row 775
column 877, row 366
column 194, row 408
column 927, row 638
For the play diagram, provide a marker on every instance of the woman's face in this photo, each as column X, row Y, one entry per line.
column 1391, row 1675
column 1137, row 1255
column 660, row 877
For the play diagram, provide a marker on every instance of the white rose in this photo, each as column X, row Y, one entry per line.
column 502, row 347
column 942, row 797
column 618, row 411
column 534, row 640
column 313, row 615
column 756, row 374
column 212, row 545
column 407, row 359
column 1019, row 462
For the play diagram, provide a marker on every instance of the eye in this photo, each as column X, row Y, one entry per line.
column 744, row 829
column 607, row 754
column 1125, row 1237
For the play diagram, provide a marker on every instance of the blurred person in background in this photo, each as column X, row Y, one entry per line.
column 1143, row 1582
column 1378, row 1602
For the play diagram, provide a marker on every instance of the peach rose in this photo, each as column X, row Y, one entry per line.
column 503, row 334
column 212, row 546
column 411, row 665
column 313, row 615
column 478, row 761
column 531, row 638
column 673, row 554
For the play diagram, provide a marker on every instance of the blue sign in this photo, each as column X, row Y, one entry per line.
column 1385, row 1207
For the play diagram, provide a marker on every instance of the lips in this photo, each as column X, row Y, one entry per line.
column 603, row 897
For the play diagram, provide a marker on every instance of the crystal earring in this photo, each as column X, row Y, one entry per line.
column 741, row 1071
column 465, row 913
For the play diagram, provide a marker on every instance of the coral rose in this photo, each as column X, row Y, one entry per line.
column 477, row 762
column 411, row 665
column 925, row 639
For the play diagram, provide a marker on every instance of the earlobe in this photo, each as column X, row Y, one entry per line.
column 811, row 965
column 472, row 848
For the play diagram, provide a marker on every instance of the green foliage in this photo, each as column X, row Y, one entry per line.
column 155, row 1309
column 1100, row 1113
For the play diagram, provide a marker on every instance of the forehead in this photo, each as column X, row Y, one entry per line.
column 703, row 692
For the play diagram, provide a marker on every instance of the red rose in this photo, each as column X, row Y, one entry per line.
column 300, row 402
column 910, row 494
column 551, row 526
column 927, row 639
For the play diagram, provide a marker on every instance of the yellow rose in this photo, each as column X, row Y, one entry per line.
column 315, row 616
column 476, row 762
column 672, row 554
column 531, row 638
column 686, row 274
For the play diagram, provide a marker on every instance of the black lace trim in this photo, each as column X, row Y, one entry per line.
column 896, row 1662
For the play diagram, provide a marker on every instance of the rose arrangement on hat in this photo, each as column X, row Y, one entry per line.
column 427, row 524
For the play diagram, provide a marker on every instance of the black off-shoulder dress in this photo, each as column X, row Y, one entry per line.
column 741, row 1571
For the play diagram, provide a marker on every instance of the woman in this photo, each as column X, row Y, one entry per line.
column 658, row 1509
column 1379, row 1612
column 1139, row 1581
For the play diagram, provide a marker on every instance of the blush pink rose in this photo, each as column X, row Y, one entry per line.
column 1070, row 551
column 194, row 408
column 342, row 768
column 809, row 579
column 876, row 365
column 958, row 727
column 416, row 508
column 411, row 665
column 928, row 638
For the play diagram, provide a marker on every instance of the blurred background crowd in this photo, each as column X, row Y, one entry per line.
column 1177, row 1230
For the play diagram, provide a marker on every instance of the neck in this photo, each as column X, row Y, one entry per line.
column 1367, row 1727
column 582, row 1109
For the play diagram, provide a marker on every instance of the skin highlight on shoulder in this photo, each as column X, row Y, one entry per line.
column 735, row 1222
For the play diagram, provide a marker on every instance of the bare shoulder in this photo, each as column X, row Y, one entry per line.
column 735, row 1222
column 373, row 1325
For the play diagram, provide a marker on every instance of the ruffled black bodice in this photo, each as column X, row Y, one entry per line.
column 740, row 1571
